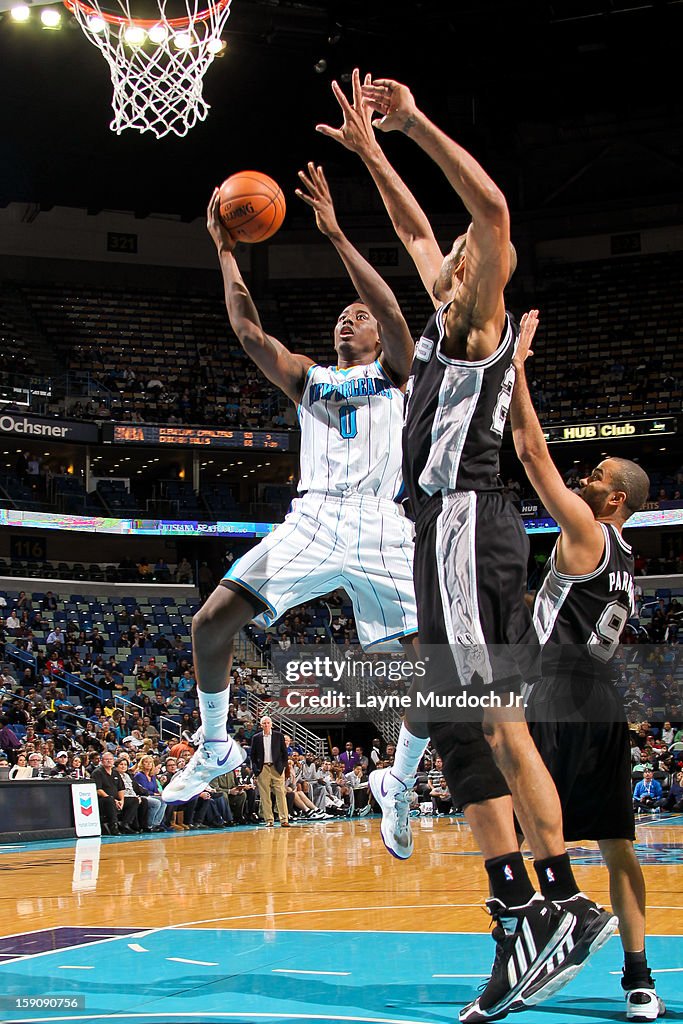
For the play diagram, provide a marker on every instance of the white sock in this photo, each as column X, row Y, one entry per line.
column 409, row 751
column 213, row 708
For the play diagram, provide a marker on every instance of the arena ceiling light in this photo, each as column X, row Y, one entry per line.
column 51, row 18
column 20, row 13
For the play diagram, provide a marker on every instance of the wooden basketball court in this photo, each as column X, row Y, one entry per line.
column 315, row 922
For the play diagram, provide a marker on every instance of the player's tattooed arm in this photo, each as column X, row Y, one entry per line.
column 397, row 342
column 286, row 370
column 356, row 134
column 581, row 536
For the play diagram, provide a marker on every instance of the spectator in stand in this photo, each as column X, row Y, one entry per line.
column 50, row 602
column 375, row 753
column 647, row 795
column 145, row 570
column 174, row 702
column 668, row 734
column 12, row 622
column 55, row 637
column 674, row 798
column 439, row 792
column 62, row 769
column 162, row 573
column 234, row 792
column 9, row 741
column 205, row 581
column 186, row 682
column 349, row 759
column 145, row 784
column 157, row 707
column 357, row 782
column 110, row 793
column 362, row 759
column 163, row 680
column 78, row 769
column 21, row 769
column 183, row 571
column 96, row 642
column 35, row 763
column 298, row 803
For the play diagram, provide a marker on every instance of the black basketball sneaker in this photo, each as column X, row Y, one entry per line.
column 528, row 939
column 540, row 948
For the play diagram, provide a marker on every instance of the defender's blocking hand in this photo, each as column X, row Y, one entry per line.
column 394, row 102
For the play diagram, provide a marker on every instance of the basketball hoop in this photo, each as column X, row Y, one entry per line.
column 157, row 65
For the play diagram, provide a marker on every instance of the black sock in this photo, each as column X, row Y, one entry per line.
column 509, row 879
column 556, row 878
column 636, row 971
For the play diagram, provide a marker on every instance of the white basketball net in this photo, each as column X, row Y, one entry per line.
column 157, row 67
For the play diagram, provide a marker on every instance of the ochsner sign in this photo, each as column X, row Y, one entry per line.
column 57, row 430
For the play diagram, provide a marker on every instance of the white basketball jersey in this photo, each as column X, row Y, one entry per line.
column 351, row 425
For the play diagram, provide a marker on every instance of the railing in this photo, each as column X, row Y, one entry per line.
column 70, row 681
column 20, row 655
column 167, row 726
column 308, row 740
column 387, row 721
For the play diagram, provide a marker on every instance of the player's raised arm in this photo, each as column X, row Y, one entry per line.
column 409, row 220
column 283, row 368
column 397, row 343
column 580, row 529
column 487, row 266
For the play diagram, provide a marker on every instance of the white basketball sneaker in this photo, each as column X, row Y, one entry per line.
column 208, row 761
column 393, row 797
column 644, row 1004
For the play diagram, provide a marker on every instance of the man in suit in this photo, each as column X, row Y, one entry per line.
column 269, row 760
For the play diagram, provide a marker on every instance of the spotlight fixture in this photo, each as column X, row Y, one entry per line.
column 134, row 35
column 96, row 25
column 217, row 47
column 20, row 13
column 321, row 66
column 50, row 18
column 157, row 34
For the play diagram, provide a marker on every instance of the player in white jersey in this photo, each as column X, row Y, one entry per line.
column 346, row 529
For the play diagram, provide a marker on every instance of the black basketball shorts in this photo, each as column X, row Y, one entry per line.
column 589, row 761
column 471, row 554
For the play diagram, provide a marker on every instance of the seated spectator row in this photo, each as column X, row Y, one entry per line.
column 163, row 357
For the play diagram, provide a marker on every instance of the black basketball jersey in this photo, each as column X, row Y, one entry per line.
column 588, row 611
column 455, row 415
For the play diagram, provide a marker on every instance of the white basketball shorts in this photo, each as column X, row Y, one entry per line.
column 357, row 542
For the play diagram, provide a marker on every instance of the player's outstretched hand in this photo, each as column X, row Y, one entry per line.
column 356, row 131
column 215, row 226
column 319, row 197
column 528, row 326
column 393, row 102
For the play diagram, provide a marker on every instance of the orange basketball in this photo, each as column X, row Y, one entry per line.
column 252, row 206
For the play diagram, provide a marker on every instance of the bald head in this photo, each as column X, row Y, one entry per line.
column 630, row 478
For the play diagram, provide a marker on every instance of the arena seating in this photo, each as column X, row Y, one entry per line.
column 616, row 323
